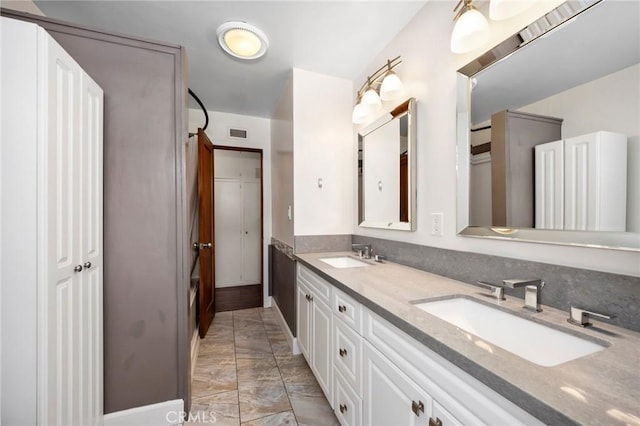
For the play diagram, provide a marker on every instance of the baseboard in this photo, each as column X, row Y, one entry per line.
column 168, row 413
column 195, row 348
column 292, row 341
column 267, row 302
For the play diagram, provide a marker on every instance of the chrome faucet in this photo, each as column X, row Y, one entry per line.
column 580, row 317
column 363, row 250
column 496, row 290
column 532, row 293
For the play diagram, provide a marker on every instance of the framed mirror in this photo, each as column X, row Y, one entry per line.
column 549, row 134
column 387, row 171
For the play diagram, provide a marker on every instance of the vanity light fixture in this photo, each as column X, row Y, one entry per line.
column 471, row 29
column 383, row 85
column 242, row 40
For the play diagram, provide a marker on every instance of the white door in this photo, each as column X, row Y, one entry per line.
column 303, row 319
column 321, row 358
column 252, row 241
column 390, row 397
column 228, row 232
column 580, row 182
column 549, row 185
column 70, row 291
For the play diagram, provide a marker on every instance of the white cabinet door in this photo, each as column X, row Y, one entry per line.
column 70, row 341
column 390, row 397
column 549, row 185
column 321, row 360
column 303, row 319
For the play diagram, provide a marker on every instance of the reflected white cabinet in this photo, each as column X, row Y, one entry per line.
column 314, row 327
column 581, row 183
column 51, row 254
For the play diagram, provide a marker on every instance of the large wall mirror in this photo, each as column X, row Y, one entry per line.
column 386, row 170
column 549, row 131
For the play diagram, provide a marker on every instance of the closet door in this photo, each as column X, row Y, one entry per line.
column 70, row 289
column 228, row 232
column 252, row 241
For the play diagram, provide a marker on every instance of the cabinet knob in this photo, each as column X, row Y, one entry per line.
column 417, row 407
column 436, row 422
column 77, row 268
column 87, row 265
column 342, row 308
column 310, row 298
column 343, row 352
column 343, row 408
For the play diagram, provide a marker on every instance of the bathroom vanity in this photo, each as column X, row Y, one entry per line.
column 381, row 359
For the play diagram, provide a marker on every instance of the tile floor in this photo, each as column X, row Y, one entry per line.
column 245, row 374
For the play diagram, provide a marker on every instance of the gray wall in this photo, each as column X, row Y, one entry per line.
column 146, row 358
column 565, row 286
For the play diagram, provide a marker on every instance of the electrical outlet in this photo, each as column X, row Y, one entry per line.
column 436, row 224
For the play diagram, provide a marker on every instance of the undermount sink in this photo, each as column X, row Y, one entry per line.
column 530, row 340
column 344, row 262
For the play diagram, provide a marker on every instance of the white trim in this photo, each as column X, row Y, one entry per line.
column 292, row 341
column 481, row 158
column 168, row 413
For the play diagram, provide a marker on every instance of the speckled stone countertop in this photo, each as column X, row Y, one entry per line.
column 602, row 388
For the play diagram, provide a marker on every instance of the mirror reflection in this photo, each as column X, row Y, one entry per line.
column 385, row 170
column 554, row 129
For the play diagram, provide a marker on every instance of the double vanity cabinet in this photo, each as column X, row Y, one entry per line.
column 372, row 373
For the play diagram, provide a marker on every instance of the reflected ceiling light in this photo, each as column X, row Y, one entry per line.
column 242, row 40
column 505, row 9
column 383, row 85
column 471, row 29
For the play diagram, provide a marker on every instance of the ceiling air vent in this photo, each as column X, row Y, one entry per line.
column 238, row 134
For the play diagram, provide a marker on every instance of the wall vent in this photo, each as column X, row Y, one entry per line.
column 238, row 133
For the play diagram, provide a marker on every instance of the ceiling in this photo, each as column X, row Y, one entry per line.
column 338, row 38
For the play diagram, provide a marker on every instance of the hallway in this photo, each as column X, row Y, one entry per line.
column 245, row 374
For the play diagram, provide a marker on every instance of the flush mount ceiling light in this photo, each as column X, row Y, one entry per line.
column 242, row 40
column 383, row 85
column 471, row 30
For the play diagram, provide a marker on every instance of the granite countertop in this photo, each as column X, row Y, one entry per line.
column 600, row 388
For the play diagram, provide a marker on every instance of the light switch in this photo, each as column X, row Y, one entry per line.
column 289, row 212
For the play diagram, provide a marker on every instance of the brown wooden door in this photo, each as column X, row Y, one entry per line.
column 206, row 239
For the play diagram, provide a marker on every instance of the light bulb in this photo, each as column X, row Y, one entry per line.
column 505, row 9
column 470, row 32
column 360, row 114
column 391, row 87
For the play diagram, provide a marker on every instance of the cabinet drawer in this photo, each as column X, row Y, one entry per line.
column 348, row 310
column 348, row 354
column 319, row 286
column 348, row 406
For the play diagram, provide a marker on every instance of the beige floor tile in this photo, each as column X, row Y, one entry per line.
column 281, row 419
column 313, row 411
column 261, row 399
column 219, row 409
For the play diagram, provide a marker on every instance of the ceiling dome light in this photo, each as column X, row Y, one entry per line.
column 471, row 30
column 391, row 87
column 242, row 40
column 504, row 9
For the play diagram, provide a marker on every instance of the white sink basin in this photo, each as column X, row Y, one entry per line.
column 344, row 262
column 530, row 340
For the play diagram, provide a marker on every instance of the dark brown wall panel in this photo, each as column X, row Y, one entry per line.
column 145, row 320
column 283, row 285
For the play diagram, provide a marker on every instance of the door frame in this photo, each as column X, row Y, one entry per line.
column 261, row 152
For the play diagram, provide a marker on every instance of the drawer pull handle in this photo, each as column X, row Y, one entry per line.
column 343, row 408
column 343, row 352
column 417, row 407
column 342, row 308
column 436, row 422
column 308, row 297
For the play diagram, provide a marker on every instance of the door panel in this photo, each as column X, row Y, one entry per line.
column 228, row 225
column 252, row 240
column 205, row 233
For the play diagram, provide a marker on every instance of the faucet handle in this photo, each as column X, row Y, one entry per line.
column 580, row 317
column 496, row 290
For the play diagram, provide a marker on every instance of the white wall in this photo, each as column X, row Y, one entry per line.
column 282, row 165
column 429, row 74
column 22, row 6
column 259, row 137
column 323, row 149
